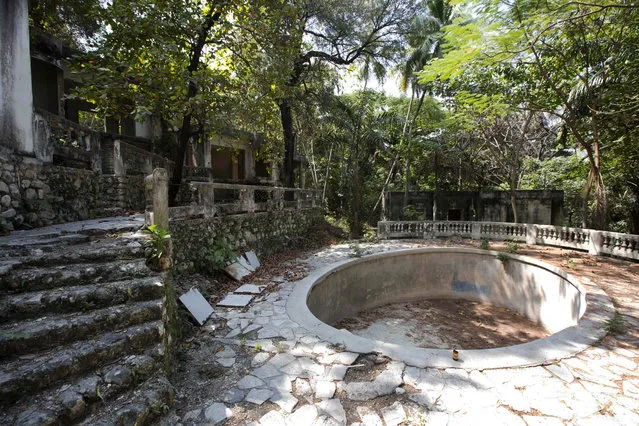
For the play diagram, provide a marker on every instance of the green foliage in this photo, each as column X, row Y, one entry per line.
column 356, row 251
column 615, row 325
column 258, row 347
column 156, row 246
column 220, row 254
column 484, row 244
column 411, row 213
column 512, row 245
column 502, row 257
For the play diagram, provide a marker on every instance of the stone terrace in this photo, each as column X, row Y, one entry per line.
column 256, row 366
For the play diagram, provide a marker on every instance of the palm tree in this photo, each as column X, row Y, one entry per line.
column 425, row 39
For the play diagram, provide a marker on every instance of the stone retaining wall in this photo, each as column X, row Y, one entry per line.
column 266, row 232
column 34, row 193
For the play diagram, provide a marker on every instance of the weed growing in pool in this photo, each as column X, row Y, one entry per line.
column 484, row 244
column 615, row 325
column 356, row 250
column 569, row 262
column 502, row 257
column 512, row 245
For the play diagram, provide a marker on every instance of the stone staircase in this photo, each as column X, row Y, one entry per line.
column 81, row 326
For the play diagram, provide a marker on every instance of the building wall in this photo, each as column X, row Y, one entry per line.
column 16, row 100
column 541, row 207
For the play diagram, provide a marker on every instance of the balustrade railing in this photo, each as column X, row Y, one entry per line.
column 595, row 242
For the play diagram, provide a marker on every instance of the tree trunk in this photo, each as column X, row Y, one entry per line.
column 634, row 222
column 513, row 203
column 185, row 131
column 410, row 137
column 289, row 143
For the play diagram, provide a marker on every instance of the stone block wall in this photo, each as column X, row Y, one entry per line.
column 124, row 192
column 34, row 193
column 265, row 232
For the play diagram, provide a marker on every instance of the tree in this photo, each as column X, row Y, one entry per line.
column 425, row 39
column 557, row 58
column 339, row 33
column 199, row 66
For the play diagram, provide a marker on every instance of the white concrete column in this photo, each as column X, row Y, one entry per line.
column 16, row 94
column 144, row 129
column 531, row 234
column 595, row 243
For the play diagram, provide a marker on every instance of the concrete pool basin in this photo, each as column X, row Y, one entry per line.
column 545, row 294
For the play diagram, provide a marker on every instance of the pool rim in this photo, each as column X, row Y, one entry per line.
column 562, row 344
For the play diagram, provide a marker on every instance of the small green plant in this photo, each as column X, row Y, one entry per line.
column 370, row 234
column 615, row 325
column 512, row 245
column 220, row 254
column 356, row 250
column 158, row 244
column 278, row 347
column 258, row 347
column 502, row 257
column 484, row 244
column 242, row 341
column 569, row 262
column 411, row 213
column 447, row 243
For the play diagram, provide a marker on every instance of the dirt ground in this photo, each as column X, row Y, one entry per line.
column 445, row 324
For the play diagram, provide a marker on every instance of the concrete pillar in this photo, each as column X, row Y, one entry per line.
column 118, row 161
column 16, row 93
column 476, row 231
column 157, row 189
column 144, row 129
column 302, row 175
column 531, row 234
column 596, row 242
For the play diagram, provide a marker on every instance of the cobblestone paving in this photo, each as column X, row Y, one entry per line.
column 301, row 378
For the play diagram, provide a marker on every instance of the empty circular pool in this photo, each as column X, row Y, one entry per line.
column 541, row 293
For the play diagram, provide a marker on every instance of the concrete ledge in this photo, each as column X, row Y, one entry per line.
column 592, row 310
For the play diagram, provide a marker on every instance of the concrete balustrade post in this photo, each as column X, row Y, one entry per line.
column 475, row 230
column 531, row 234
column 157, row 190
column 595, row 242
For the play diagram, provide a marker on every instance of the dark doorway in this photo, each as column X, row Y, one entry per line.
column 454, row 214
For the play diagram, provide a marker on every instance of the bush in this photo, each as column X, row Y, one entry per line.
column 220, row 254
column 512, row 245
column 484, row 244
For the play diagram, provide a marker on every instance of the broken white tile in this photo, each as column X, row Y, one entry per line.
column 226, row 362
column 248, row 382
column 286, row 401
column 305, row 415
column 337, row 372
column 235, row 300
column 333, row 408
column 217, row 412
column 244, row 263
column 251, row 257
column 250, row 289
column 324, row 389
column 260, row 359
column 394, row 414
column 258, row 396
column 197, row 305
column 237, row 271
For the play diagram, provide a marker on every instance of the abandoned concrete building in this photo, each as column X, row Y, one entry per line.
column 541, row 207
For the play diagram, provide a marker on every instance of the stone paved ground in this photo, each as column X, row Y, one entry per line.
column 265, row 369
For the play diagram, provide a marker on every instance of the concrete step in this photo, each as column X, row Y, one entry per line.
column 122, row 246
column 16, row 307
column 48, row 332
column 140, row 406
column 49, row 277
column 71, row 402
column 30, row 374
